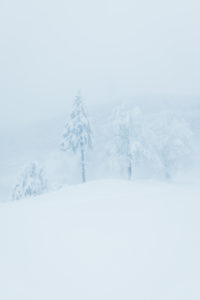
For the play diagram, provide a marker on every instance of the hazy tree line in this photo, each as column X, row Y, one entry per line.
column 162, row 142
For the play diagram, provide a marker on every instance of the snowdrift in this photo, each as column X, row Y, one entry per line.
column 102, row 240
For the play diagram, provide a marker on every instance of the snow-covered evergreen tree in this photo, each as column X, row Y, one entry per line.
column 31, row 182
column 77, row 135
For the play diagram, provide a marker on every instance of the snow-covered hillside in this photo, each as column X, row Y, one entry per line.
column 105, row 240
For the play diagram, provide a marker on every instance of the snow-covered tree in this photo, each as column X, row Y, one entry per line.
column 128, row 144
column 153, row 144
column 122, row 129
column 174, row 142
column 31, row 182
column 77, row 135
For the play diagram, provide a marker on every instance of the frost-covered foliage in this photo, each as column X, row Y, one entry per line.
column 77, row 135
column 159, row 142
column 31, row 182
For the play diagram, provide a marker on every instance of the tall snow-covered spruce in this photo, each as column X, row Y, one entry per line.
column 77, row 135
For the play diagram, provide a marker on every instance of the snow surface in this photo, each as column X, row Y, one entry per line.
column 103, row 240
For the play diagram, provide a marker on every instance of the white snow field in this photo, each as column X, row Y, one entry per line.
column 108, row 240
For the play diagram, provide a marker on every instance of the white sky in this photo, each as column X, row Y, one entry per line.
column 108, row 48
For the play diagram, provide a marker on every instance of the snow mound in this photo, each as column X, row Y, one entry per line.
column 102, row 240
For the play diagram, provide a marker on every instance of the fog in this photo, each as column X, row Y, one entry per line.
column 99, row 155
column 110, row 49
column 136, row 53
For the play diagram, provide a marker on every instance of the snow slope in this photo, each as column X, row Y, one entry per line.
column 103, row 240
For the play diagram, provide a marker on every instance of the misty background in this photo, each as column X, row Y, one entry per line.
column 143, row 53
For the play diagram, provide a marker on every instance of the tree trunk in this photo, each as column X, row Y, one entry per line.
column 129, row 170
column 83, row 165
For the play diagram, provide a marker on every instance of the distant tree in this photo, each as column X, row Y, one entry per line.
column 128, row 145
column 31, row 182
column 122, row 128
column 173, row 144
column 160, row 143
column 77, row 135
